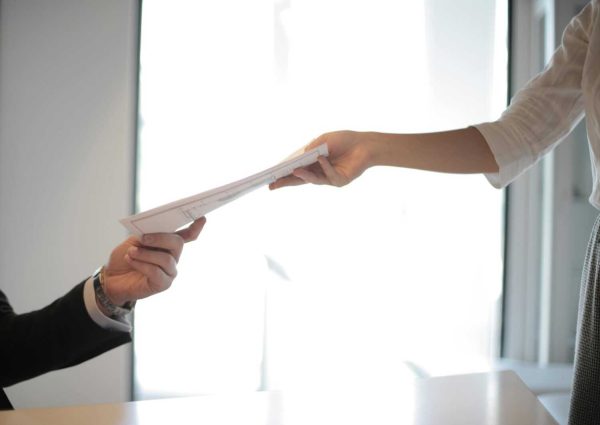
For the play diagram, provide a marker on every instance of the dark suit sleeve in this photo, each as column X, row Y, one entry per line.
column 57, row 336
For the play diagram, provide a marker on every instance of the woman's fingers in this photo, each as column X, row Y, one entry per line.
column 290, row 180
column 333, row 176
column 308, row 176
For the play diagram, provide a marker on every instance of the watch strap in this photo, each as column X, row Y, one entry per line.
column 109, row 306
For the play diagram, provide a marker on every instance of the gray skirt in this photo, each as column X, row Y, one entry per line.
column 585, row 396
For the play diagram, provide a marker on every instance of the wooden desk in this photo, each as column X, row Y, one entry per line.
column 498, row 398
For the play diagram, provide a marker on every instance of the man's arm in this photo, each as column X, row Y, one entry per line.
column 57, row 336
column 64, row 334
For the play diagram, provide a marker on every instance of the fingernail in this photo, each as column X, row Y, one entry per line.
column 148, row 238
column 133, row 250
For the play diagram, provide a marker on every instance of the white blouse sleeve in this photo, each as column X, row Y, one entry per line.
column 545, row 110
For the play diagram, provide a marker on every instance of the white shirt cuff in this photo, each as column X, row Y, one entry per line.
column 512, row 159
column 105, row 322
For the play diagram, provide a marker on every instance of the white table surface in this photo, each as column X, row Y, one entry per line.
column 498, row 398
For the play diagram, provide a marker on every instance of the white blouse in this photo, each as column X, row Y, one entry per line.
column 545, row 111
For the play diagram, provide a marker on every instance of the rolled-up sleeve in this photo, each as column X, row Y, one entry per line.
column 545, row 111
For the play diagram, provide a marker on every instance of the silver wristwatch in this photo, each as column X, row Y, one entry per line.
column 113, row 310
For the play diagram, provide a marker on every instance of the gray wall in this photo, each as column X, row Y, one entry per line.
column 67, row 131
column 549, row 216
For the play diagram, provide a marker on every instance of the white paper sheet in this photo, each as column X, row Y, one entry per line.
column 174, row 215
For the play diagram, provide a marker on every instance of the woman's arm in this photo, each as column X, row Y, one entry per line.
column 455, row 151
column 351, row 153
column 539, row 117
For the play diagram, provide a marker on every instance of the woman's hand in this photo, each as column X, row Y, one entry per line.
column 351, row 153
column 348, row 158
column 141, row 267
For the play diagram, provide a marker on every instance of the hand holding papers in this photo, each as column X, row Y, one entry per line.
column 170, row 217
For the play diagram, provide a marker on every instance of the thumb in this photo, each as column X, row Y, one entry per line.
column 192, row 232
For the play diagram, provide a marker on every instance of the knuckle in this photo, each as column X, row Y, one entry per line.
column 155, row 273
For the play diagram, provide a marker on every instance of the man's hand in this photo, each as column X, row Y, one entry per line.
column 141, row 267
column 348, row 158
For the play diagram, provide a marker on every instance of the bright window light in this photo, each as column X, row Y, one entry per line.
column 368, row 286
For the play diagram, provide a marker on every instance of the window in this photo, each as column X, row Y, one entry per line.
column 364, row 286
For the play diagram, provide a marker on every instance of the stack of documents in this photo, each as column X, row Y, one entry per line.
column 172, row 216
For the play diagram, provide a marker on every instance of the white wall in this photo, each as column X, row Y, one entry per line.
column 67, row 131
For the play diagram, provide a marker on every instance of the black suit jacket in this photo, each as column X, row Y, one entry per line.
column 57, row 336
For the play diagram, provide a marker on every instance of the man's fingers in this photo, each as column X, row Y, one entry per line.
column 169, row 242
column 192, row 232
column 157, row 279
column 161, row 259
column 172, row 243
